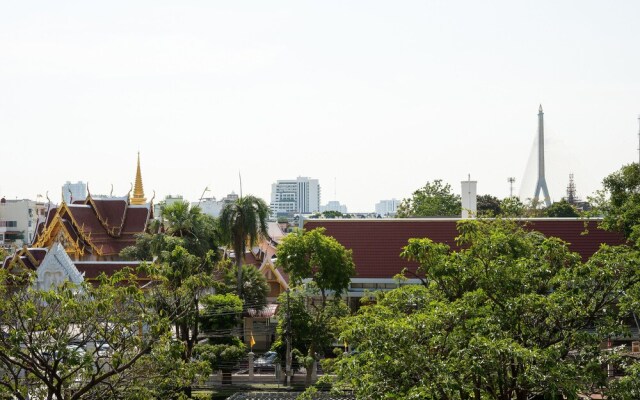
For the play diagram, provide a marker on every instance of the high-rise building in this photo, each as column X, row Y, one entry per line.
column 387, row 208
column 299, row 196
column 74, row 192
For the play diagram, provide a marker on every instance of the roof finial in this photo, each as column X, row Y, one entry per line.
column 138, row 192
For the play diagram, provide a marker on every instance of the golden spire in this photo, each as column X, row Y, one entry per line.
column 138, row 192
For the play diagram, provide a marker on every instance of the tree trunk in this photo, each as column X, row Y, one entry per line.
column 239, row 267
column 309, row 366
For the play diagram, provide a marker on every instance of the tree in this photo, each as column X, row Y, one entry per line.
column 619, row 202
column 488, row 205
column 332, row 214
column 313, row 328
column 313, row 255
column 219, row 318
column 241, row 222
column 254, row 285
column 322, row 259
column 513, row 315
column 433, row 200
column 72, row 342
column 512, row 207
column 182, row 252
column 561, row 209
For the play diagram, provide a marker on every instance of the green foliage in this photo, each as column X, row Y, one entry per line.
column 54, row 343
column 433, row 200
column 198, row 231
column 488, row 205
column 313, row 327
column 619, row 202
column 561, row 209
column 313, row 255
column 332, row 214
column 220, row 312
column 512, row 315
column 254, row 285
column 512, row 207
column 221, row 356
column 241, row 222
column 182, row 250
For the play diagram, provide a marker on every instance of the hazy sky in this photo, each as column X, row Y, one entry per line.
column 377, row 96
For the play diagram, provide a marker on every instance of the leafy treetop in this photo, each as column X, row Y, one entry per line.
column 433, row 200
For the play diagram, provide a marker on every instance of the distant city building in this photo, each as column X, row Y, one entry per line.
column 387, row 208
column 299, row 196
column 334, row 206
column 213, row 207
column 18, row 220
column 74, row 192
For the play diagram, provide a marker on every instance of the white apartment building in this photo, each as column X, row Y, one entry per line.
column 387, row 208
column 214, row 207
column 74, row 191
column 334, row 205
column 299, row 196
column 18, row 221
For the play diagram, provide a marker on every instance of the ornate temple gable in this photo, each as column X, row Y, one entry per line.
column 273, row 275
column 63, row 226
column 24, row 259
column 55, row 268
column 111, row 212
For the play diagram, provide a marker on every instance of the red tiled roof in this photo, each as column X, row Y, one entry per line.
column 377, row 243
column 111, row 213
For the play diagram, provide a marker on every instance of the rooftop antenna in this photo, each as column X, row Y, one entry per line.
column 571, row 191
column 542, row 182
column 511, row 180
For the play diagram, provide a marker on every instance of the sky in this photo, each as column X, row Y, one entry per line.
column 373, row 98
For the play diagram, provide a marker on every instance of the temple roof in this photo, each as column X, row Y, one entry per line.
column 30, row 259
column 100, row 226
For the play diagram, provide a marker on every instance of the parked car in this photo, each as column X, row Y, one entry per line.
column 266, row 361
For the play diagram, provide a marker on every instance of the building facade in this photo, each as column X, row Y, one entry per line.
column 299, row 196
column 18, row 220
column 213, row 207
column 74, row 192
column 387, row 208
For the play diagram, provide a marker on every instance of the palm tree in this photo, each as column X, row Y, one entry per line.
column 241, row 222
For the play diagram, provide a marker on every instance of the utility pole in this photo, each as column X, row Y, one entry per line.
column 511, row 180
column 287, row 378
